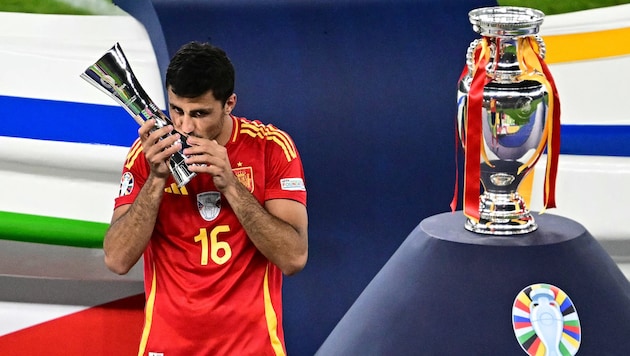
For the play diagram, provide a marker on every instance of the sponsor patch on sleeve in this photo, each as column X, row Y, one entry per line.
column 126, row 184
column 292, row 184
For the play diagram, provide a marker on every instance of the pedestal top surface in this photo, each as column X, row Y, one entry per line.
column 551, row 229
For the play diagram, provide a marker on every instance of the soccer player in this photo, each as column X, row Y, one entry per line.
column 216, row 249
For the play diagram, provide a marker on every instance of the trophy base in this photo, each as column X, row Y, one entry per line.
column 519, row 226
column 179, row 170
column 502, row 214
column 182, row 180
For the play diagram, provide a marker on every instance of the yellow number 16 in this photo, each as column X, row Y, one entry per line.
column 215, row 245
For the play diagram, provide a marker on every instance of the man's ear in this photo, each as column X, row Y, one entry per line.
column 230, row 103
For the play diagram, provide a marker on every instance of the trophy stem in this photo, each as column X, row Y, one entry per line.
column 502, row 214
column 179, row 169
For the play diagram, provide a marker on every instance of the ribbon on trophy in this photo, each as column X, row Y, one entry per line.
column 533, row 68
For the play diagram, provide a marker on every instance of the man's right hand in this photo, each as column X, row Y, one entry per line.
column 156, row 150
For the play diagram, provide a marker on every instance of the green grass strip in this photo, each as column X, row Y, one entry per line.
column 50, row 230
column 41, row 7
column 63, row 7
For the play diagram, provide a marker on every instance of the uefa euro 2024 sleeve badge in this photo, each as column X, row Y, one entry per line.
column 126, row 184
column 546, row 322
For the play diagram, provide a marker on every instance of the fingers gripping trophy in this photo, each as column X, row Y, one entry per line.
column 113, row 75
column 508, row 114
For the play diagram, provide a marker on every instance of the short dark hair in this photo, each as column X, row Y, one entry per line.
column 198, row 67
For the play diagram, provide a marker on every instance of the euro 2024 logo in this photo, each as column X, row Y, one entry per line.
column 545, row 321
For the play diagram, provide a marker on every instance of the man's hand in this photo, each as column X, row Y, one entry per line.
column 157, row 151
column 207, row 156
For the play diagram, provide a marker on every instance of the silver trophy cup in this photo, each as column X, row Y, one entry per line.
column 514, row 108
column 112, row 74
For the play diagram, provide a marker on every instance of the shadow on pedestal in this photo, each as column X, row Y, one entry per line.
column 448, row 291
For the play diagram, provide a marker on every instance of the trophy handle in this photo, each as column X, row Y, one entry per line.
column 469, row 55
column 542, row 51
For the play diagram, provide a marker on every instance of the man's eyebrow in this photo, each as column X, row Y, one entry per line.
column 201, row 111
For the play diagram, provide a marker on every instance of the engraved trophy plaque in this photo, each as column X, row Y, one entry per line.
column 508, row 114
column 112, row 74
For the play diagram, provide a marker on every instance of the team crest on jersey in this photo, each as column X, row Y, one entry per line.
column 126, row 184
column 245, row 175
column 209, row 205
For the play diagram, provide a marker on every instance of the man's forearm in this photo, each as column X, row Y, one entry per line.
column 275, row 238
column 129, row 233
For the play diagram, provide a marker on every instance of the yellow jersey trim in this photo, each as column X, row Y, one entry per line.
column 148, row 316
column 272, row 319
column 135, row 150
column 273, row 134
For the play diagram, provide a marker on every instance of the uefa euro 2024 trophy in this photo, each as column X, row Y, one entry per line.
column 508, row 113
column 112, row 74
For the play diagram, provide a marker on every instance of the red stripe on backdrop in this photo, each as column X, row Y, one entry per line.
column 109, row 329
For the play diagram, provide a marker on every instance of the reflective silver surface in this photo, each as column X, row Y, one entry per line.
column 510, row 21
column 112, row 75
column 513, row 118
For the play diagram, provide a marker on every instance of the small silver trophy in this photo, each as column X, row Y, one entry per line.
column 508, row 114
column 113, row 76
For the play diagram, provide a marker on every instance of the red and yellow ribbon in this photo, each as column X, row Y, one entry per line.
column 533, row 68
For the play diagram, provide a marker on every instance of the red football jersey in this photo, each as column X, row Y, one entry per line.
column 209, row 291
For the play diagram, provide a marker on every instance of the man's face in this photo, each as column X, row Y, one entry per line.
column 203, row 116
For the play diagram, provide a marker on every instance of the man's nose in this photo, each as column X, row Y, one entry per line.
column 187, row 126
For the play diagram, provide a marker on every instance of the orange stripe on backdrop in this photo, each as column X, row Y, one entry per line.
column 109, row 329
column 587, row 45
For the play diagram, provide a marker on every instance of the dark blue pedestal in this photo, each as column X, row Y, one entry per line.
column 447, row 291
